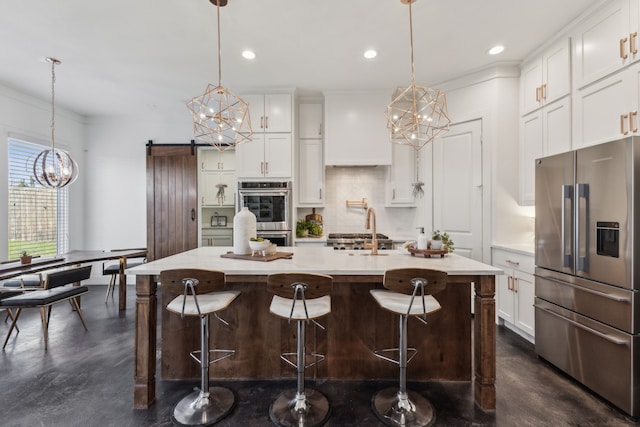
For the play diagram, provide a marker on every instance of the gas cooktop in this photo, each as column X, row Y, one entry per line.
column 344, row 241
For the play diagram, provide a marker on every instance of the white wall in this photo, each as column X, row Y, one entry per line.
column 116, row 176
column 25, row 117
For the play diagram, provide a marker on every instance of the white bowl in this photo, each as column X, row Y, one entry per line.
column 259, row 246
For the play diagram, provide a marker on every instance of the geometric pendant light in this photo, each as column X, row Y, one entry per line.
column 417, row 115
column 220, row 117
column 54, row 168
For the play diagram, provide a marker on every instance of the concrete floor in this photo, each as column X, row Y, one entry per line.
column 86, row 379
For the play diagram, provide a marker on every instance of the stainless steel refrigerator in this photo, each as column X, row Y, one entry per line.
column 586, row 230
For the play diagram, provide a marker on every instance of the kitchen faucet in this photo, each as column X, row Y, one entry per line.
column 374, row 239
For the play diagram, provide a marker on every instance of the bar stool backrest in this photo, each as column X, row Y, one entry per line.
column 399, row 280
column 283, row 285
column 208, row 280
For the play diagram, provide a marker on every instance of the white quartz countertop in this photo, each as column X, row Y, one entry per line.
column 315, row 259
column 522, row 248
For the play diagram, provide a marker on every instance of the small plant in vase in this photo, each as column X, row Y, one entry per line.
column 441, row 241
column 25, row 258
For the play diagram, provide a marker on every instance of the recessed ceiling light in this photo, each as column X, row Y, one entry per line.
column 248, row 54
column 496, row 50
column 370, row 54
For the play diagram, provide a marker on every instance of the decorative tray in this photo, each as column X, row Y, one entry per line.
column 427, row 252
column 263, row 258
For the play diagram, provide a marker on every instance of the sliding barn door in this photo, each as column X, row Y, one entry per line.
column 172, row 201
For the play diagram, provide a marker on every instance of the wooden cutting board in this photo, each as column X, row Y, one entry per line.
column 265, row 258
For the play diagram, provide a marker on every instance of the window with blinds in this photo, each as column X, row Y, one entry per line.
column 38, row 216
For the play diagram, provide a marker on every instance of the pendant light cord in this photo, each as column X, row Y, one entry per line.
column 413, row 80
column 219, row 48
column 53, row 105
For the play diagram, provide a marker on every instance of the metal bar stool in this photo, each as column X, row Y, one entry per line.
column 409, row 294
column 202, row 295
column 301, row 297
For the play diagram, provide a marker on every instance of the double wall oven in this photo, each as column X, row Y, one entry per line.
column 270, row 202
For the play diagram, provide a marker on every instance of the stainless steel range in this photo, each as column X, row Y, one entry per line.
column 356, row 241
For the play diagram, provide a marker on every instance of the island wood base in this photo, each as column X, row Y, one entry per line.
column 355, row 327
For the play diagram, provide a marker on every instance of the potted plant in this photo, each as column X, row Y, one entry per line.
column 25, row 258
column 440, row 241
column 436, row 240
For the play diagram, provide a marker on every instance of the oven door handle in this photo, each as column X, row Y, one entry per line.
column 586, row 328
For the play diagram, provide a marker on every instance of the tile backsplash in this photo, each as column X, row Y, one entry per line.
column 354, row 183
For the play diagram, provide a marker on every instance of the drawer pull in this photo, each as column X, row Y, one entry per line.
column 512, row 262
column 586, row 328
column 623, row 54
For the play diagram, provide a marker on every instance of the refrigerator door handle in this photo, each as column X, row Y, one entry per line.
column 567, row 229
column 582, row 227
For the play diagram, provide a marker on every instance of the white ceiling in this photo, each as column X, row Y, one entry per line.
column 151, row 56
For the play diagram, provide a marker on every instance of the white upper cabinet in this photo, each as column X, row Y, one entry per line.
column 267, row 156
column 606, row 109
column 544, row 132
column 546, row 78
column 310, row 121
column 606, row 42
column 401, row 176
column 270, row 113
column 310, row 155
column 214, row 160
column 356, row 128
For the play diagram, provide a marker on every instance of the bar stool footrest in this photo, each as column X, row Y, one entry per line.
column 292, row 358
column 411, row 352
column 204, row 409
column 309, row 409
column 397, row 409
column 225, row 354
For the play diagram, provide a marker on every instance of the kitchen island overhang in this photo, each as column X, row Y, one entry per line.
column 355, row 327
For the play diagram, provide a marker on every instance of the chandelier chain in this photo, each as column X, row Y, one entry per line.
column 219, row 47
column 53, row 105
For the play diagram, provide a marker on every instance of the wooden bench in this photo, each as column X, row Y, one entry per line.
column 59, row 286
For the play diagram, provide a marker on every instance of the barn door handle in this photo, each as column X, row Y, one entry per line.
column 193, row 214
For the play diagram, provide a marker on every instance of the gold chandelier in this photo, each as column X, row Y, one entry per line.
column 220, row 117
column 419, row 113
column 54, row 168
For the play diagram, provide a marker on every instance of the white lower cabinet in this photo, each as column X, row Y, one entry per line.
column 217, row 237
column 515, row 291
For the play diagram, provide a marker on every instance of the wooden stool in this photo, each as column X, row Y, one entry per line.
column 409, row 294
column 203, row 295
column 301, row 297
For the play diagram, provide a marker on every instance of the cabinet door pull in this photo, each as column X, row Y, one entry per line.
column 512, row 262
column 632, row 121
column 193, row 214
column 538, row 94
column 266, row 168
column 320, row 191
column 623, row 54
column 515, row 285
column 261, row 168
column 320, row 129
column 509, row 286
column 393, row 194
column 202, row 165
column 261, row 122
column 632, row 45
column 623, row 117
column 266, row 122
column 543, row 91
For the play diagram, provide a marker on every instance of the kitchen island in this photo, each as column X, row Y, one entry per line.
column 355, row 327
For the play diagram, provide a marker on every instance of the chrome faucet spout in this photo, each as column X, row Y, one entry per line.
column 374, row 236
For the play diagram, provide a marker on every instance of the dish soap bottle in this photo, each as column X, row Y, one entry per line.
column 422, row 241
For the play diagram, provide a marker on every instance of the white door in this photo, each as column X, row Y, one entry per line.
column 457, row 187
